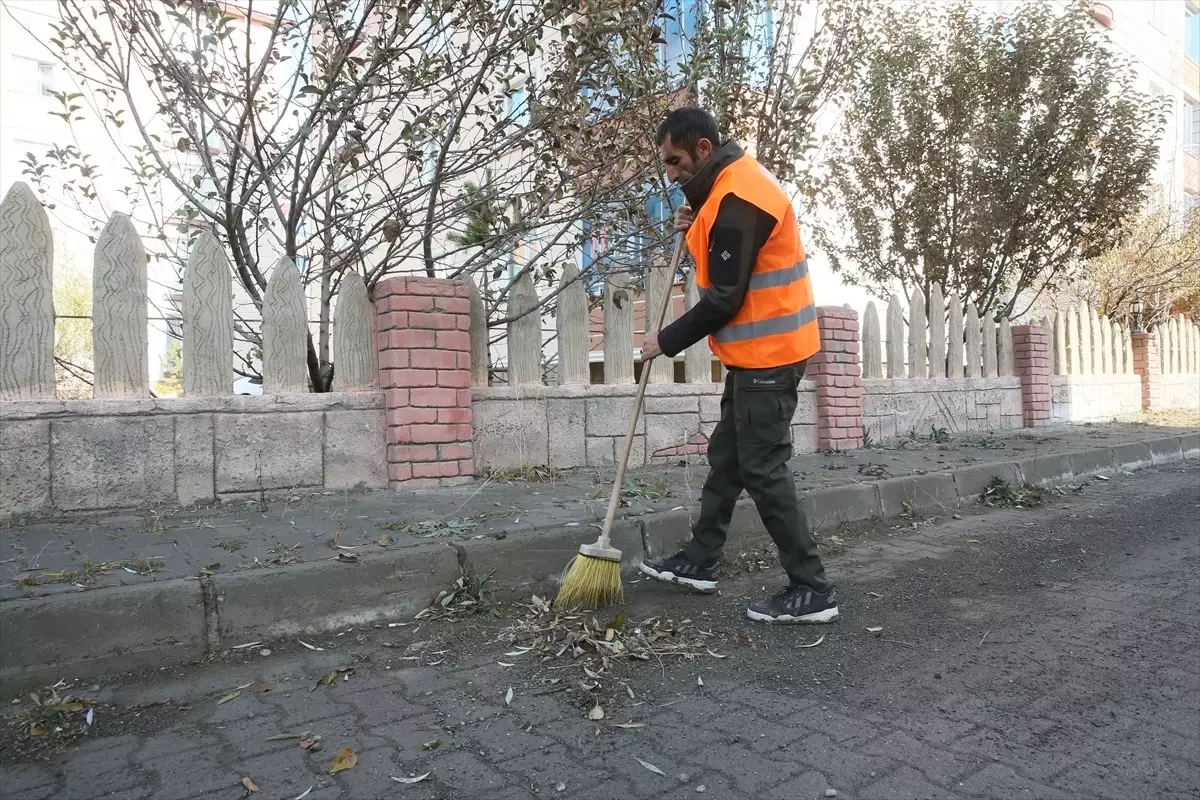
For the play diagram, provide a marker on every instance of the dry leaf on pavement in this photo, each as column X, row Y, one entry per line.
column 814, row 644
column 228, row 697
column 650, row 767
column 304, row 794
column 631, row 725
column 410, row 781
column 597, row 713
column 508, row 698
column 344, row 760
column 432, row 745
column 250, row 785
column 875, row 630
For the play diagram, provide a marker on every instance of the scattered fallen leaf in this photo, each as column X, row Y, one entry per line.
column 311, row 743
column 244, row 686
column 68, row 707
column 344, row 760
column 384, row 541
column 505, row 664
column 244, row 646
column 591, row 674
column 432, row 745
column 631, row 725
column 875, row 630
column 699, row 681
column 1101, row 477
column 228, row 697
column 280, row 736
column 508, row 698
column 250, row 785
column 632, row 696
column 650, row 767
column 310, row 646
column 325, row 680
column 348, row 557
column 715, row 655
column 527, row 725
column 36, row 732
column 743, row 639
column 875, row 594
column 597, row 713
column 410, row 781
column 814, row 644
column 334, row 540
column 90, row 715
column 304, row 794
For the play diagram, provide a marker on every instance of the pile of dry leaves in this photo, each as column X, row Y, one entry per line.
column 596, row 648
column 46, row 722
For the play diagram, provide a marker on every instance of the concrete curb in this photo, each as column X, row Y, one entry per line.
column 88, row 634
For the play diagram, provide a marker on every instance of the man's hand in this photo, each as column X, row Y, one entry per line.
column 683, row 218
column 650, row 348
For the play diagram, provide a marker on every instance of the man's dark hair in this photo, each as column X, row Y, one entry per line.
column 687, row 126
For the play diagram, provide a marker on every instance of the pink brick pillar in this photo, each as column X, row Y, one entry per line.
column 1031, row 358
column 425, row 374
column 1147, row 364
column 839, row 381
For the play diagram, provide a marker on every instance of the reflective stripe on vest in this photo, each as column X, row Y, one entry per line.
column 767, row 327
column 779, row 277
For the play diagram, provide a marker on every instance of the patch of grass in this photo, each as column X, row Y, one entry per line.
column 470, row 596
column 231, row 545
column 872, row 470
column 152, row 522
column 869, row 441
column 435, row 527
column 86, row 574
column 652, row 490
column 284, row 550
column 1001, row 494
column 143, row 565
column 526, row 473
column 985, row 441
column 939, row 435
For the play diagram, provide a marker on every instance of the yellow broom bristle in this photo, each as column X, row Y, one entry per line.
column 590, row 583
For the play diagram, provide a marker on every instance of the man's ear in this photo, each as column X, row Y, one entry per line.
column 704, row 149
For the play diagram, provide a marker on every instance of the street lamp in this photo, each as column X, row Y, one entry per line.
column 1137, row 307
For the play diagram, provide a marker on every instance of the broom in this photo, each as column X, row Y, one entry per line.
column 593, row 577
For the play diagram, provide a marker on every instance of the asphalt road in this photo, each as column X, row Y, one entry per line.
column 1048, row 653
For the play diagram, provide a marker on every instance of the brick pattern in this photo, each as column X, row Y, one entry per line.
column 425, row 374
column 1147, row 363
column 1031, row 355
column 836, row 372
column 696, row 446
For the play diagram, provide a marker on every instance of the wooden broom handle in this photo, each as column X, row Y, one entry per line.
column 615, row 498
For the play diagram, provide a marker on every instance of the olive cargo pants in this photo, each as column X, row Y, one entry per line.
column 749, row 449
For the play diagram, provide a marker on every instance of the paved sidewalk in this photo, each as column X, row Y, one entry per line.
column 40, row 558
column 1013, row 654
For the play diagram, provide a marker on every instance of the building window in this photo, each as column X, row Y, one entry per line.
column 1191, row 128
column 1159, row 14
column 1191, row 32
column 32, row 76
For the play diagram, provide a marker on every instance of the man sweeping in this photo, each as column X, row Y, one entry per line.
column 757, row 310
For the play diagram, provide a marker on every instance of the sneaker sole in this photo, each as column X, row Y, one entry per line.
column 707, row 587
column 816, row 618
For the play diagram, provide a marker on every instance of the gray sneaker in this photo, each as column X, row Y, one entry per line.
column 680, row 569
column 796, row 604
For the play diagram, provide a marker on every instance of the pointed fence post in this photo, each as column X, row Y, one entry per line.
column 1060, row 344
column 207, row 321
column 618, row 330
column 120, row 318
column 697, row 362
column 572, row 322
column 354, row 351
column 872, row 347
column 524, row 334
column 937, row 332
column 918, row 347
column 974, row 352
column 954, row 348
column 989, row 345
column 895, row 339
column 285, row 331
column 26, row 298
column 1005, row 354
column 480, row 361
column 659, row 284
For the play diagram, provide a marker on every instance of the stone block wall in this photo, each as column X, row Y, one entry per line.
column 87, row 455
column 899, row 408
column 566, row 427
column 1180, row 391
column 1078, row 398
column 424, row 361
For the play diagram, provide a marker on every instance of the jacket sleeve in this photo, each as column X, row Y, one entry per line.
column 738, row 233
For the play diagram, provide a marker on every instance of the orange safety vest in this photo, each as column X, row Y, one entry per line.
column 777, row 323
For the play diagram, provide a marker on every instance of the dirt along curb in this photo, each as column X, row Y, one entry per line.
column 87, row 634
